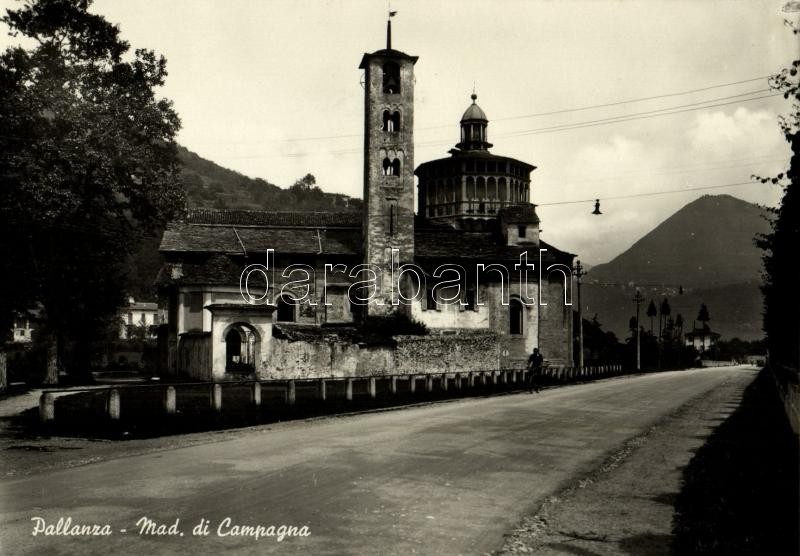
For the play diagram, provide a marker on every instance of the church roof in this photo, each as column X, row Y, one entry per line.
column 474, row 112
column 387, row 53
column 241, row 232
column 213, row 242
column 523, row 213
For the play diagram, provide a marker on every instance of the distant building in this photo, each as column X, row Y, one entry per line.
column 22, row 330
column 137, row 313
column 702, row 339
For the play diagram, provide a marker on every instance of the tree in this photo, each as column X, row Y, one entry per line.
column 703, row 315
column 89, row 163
column 651, row 312
column 781, row 272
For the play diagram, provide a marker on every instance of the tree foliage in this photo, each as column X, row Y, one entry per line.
column 89, row 164
column 781, row 271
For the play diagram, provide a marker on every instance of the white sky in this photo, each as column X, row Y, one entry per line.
column 254, row 80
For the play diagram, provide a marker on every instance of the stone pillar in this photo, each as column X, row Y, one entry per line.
column 495, row 377
column 113, row 405
column 373, row 390
column 291, row 392
column 348, row 389
column 429, row 383
column 457, row 381
column 255, row 394
column 412, row 383
column 322, row 390
column 471, row 379
column 444, row 382
column 393, row 385
column 47, row 407
column 216, row 397
column 170, row 401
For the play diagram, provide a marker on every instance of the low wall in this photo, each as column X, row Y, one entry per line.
column 410, row 355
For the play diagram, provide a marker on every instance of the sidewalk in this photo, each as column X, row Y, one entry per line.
column 627, row 505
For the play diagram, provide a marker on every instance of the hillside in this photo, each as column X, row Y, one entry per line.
column 707, row 250
column 209, row 185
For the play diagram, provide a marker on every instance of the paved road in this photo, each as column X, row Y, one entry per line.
column 449, row 478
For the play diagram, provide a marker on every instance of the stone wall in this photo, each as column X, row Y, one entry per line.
column 555, row 323
column 411, row 355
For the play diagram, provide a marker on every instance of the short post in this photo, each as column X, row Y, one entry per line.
column 216, row 397
column 348, row 389
column 504, row 377
column 457, row 382
column 373, row 391
column 255, row 394
column 393, row 385
column 429, row 383
column 444, row 382
column 471, row 379
column 113, row 404
column 291, row 392
column 322, row 390
column 495, row 377
column 47, row 407
column 170, row 401
column 412, row 383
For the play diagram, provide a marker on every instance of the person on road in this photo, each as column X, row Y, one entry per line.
column 535, row 362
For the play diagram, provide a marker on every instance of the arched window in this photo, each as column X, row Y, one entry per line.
column 481, row 192
column 516, row 317
column 388, row 122
column 395, row 167
column 470, row 187
column 391, row 78
column 387, row 167
column 286, row 309
column 396, row 121
column 502, row 187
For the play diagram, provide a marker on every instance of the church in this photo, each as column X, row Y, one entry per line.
column 465, row 260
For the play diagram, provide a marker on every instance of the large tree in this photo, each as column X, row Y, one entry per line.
column 781, row 271
column 89, row 164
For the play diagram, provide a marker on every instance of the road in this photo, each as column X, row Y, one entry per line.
column 448, row 478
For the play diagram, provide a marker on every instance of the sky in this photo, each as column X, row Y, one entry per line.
column 271, row 89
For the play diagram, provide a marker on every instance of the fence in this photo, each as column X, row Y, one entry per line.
column 290, row 392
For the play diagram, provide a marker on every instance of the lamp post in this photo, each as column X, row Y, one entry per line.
column 638, row 298
column 578, row 274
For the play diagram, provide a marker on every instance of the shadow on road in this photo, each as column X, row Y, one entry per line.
column 740, row 490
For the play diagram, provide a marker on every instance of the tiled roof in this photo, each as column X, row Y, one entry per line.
column 453, row 244
column 265, row 218
column 249, row 231
column 225, row 232
column 521, row 213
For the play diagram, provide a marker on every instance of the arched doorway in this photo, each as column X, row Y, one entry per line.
column 241, row 348
column 286, row 306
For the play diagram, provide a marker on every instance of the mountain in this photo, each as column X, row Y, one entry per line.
column 209, row 185
column 704, row 253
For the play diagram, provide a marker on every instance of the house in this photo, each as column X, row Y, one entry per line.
column 701, row 338
column 142, row 314
column 281, row 295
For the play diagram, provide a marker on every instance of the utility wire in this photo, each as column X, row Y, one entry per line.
column 649, row 194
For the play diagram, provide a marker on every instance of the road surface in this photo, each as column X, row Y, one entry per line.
column 449, row 478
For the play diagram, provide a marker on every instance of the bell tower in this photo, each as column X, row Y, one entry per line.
column 388, row 167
